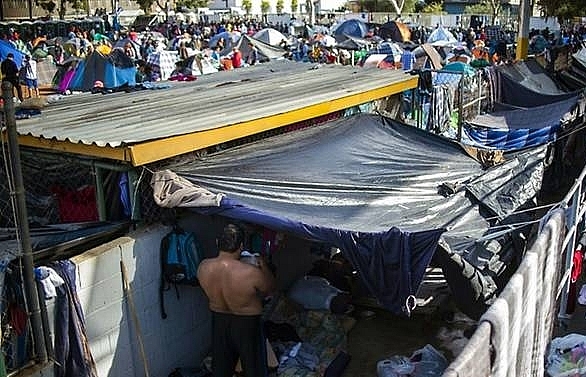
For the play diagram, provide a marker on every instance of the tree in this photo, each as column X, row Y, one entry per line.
column 47, row 5
column 562, row 10
column 146, row 5
column 265, row 6
column 247, row 5
column 280, row 5
column 480, row 8
column 398, row 6
column 294, row 6
column 433, row 8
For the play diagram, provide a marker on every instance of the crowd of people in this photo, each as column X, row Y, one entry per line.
column 482, row 45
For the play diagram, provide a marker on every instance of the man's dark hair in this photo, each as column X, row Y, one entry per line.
column 231, row 239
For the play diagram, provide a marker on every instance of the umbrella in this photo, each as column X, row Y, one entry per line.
column 6, row 48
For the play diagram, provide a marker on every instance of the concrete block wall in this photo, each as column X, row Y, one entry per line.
column 181, row 340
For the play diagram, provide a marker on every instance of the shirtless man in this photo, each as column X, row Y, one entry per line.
column 235, row 291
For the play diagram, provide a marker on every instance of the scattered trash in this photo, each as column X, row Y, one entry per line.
column 425, row 362
column 567, row 356
column 396, row 366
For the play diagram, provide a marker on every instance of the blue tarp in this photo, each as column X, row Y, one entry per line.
column 515, row 129
column 6, row 47
column 391, row 264
column 365, row 184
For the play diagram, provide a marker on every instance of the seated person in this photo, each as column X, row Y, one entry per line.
column 180, row 70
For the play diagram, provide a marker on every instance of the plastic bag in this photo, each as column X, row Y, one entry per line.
column 428, row 362
column 567, row 356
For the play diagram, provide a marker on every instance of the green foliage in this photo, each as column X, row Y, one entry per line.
column 191, row 4
column 294, row 6
column 562, row 9
column 280, row 5
column 145, row 5
column 436, row 8
column 265, row 6
column 247, row 6
column 48, row 6
column 480, row 8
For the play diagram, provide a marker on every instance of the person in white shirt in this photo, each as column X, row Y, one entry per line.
column 30, row 76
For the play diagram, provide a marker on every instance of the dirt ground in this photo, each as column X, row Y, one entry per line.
column 385, row 335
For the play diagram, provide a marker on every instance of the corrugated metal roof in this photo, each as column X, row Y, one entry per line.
column 211, row 102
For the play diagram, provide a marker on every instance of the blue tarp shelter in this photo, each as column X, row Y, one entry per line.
column 365, row 184
column 6, row 48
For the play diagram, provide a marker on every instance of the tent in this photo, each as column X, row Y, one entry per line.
column 98, row 67
column 46, row 70
column 270, row 36
column 163, row 63
column 395, row 31
column 121, row 43
column 200, row 65
column 229, row 37
column 6, row 48
column 365, row 184
column 265, row 52
column 353, row 27
column 350, row 43
column 441, row 37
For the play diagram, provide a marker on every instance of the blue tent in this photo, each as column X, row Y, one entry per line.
column 98, row 67
column 6, row 47
column 354, row 28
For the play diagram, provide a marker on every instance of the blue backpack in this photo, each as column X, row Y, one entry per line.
column 180, row 257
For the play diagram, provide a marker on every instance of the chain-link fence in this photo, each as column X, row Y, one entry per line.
column 444, row 99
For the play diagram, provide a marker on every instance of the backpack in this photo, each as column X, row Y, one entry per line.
column 180, row 257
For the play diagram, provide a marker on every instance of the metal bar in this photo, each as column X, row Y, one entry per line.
column 100, row 195
column 22, row 218
column 133, row 194
column 460, row 106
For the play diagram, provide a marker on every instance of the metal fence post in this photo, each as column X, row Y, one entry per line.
column 460, row 105
column 30, row 286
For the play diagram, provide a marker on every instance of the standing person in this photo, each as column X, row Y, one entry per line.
column 30, row 76
column 10, row 72
column 235, row 290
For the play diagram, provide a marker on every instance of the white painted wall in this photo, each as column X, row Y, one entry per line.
column 182, row 340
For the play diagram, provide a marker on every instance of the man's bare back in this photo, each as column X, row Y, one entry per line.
column 235, row 287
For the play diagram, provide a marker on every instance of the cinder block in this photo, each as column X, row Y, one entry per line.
column 103, row 293
column 102, row 267
column 104, row 320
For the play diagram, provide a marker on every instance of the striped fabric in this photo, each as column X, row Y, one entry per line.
column 163, row 63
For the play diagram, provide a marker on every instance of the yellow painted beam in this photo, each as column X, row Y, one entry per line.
column 161, row 149
column 522, row 48
column 119, row 154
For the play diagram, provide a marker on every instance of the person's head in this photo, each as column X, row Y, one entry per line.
column 232, row 238
column 10, row 56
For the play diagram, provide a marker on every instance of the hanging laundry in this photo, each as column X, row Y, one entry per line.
column 49, row 280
